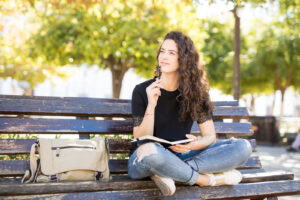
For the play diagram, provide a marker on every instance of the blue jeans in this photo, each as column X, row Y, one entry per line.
column 185, row 167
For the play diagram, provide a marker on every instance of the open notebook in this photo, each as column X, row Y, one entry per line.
column 150, row 138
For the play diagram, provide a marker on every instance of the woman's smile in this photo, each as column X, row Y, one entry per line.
column 164, row 63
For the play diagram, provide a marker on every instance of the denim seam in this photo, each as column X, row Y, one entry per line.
column 196, row 165
column 190, row 177
column 208, row 152
column 205, row 151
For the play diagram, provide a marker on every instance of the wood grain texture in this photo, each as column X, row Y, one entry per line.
column 116, row 184
column 76, row 126
column 249, row 176
column 16, row 111
column 22, row 146
column 92, row 107
column 18, row 167
column 266, row 176
column 240, row 191
column 46, row 99
column 252, row 163
column 112, row 100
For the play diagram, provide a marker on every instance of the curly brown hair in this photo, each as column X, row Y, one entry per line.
column 193, row 87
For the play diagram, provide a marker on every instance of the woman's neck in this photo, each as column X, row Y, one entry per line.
column 170, row 81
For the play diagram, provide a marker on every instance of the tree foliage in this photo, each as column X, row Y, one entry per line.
column 218, row 54
column 237, row 4
column 16, row 26
column 118, row 35
column 275, row 63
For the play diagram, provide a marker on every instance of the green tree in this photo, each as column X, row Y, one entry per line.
column 237, row 4
column 118, row 35
column 218, row 54
column 280, row 61
column 14, row 55
column 273, row 54
column 254, row 79
column 275, row 63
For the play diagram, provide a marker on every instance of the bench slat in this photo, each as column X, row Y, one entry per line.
column 252, row 171
column 267, row 176
column 7, row 100
column 249, row 176
column 22, row 146
column 72, row 126
column 240, row 191
column 56, row 106
column 18, row 167
column 111, row 100
column 117, row 183
column 112, row 110
column 19, row 109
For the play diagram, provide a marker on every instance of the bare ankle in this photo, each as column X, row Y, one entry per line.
column 203, row 180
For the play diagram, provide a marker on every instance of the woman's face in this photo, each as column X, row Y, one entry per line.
column 168, row 56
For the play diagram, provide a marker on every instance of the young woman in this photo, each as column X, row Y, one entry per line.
column 167, row 108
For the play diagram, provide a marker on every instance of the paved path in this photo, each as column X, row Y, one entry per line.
column 277, row 158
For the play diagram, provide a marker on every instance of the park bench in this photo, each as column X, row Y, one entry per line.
column 84, row 116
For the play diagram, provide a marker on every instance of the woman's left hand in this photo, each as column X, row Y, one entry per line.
column 182, row 148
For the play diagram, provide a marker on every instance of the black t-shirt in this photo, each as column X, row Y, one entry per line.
column 166, row 122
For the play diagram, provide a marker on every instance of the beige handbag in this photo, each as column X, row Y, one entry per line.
column 68, row 160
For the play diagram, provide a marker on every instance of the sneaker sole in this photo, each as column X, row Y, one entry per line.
column 164, row 188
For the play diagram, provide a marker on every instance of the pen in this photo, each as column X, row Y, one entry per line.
column 159, row 72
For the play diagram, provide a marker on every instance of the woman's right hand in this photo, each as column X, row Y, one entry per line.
column 153, row 92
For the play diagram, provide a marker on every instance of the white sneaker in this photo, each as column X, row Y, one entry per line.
column 165, row 184
column 231, row 177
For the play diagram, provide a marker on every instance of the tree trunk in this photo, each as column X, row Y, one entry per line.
column 117, row 78
column 273, row 104
column 236, row 61
column 118, row 68
column 28, row 92
column 13, row 88
column 252, row 105
column 282, row 101
column 282, row 87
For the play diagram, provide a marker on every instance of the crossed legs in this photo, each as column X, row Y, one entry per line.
column 151, row 158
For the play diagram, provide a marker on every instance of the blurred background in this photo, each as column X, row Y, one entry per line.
column 102, row 49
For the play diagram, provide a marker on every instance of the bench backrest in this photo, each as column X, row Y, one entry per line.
column 83, row 116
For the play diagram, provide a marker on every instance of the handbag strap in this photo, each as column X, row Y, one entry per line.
column 107, row 148
column 29, row 175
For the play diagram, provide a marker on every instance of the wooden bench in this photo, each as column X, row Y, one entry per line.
column 84, row 116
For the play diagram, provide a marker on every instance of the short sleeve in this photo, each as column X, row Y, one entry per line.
column 138, row 107
column 204, row 117
column 204, row 114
